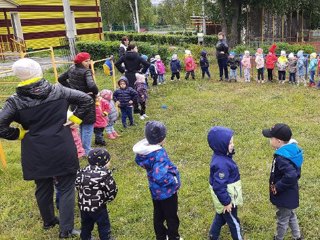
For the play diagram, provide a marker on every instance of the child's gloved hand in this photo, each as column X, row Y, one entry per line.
column 273, row 189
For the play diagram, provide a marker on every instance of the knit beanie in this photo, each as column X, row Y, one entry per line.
column 80, row 57
column 291, row 55
column 99, row 157
column 272, row 49
column 155, row 132
column 259, row 50
column 106, row 94
column 26, row 69
column 247, row 53
column 157, row 57
column 313, row 55
column 283, row 53
column 187, row 52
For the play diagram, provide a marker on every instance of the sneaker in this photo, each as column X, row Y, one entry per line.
column 145, row 115
column 111, row 136
column 54, row 222
column 142, row 117
column 70, row 233
column 116, row 134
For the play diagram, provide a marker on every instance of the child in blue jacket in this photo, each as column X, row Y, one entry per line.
column 225, row 183
column 175, row 67
column 284, row 176
column 164, row 180
column 124, row 97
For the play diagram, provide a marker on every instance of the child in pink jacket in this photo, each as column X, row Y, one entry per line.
column 246, row 64
column 102, row 109
column 189, row 64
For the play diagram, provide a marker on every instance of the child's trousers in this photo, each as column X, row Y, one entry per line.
column 233, row 222
column 166, row 210
column 188, row 74
column 287, row 217
column 88, row 219
column 205, row 70
column 175, row 74
column 126, row 112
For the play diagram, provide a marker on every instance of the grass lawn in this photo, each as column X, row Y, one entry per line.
column 193, row 107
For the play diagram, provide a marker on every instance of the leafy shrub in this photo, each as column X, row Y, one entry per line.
column 170, row 39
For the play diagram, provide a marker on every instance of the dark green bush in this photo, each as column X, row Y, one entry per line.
column 170, row 39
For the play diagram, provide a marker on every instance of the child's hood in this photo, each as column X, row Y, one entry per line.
column 300, row 55
column 282, row 59
column 145, row 151
column 124, row 79
column 219, row 139
column 292, row 152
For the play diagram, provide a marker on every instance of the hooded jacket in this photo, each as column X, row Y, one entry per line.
column 259, row 61
column 124, row 95
column 48, row 149
column 102, row 110
column 313, row 64
column 204, row 60
column 292, row 65
column 233, row 63
column 246, row 61
column 301, row 67
column 175, row 65
column 163, row 175
column 141, row 89
column 282, row 63
column 80, row 78
column 224, row 176
column 285, row 173
column 271, row 60
column 189, row 63
column 96, row 187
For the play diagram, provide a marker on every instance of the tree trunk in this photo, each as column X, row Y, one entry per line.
column 133, row 13
column 223, row 16
column 234, row 33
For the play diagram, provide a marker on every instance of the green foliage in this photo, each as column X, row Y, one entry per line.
column 239, row 49
column 170, row 39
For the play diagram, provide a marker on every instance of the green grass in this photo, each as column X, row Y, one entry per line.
column 193, row 107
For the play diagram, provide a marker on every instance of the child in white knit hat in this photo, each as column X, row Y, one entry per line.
column 282, row 65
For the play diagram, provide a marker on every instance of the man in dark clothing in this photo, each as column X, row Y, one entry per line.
column 48, row 150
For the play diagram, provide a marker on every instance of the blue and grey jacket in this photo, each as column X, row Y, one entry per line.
column 285, row 173
column 163, row 175
column 301, row 67
column 224, row 173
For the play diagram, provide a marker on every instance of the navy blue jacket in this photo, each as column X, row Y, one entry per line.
column 285, row 173
column 223, row 170
column 175, row 66
column 125, row 95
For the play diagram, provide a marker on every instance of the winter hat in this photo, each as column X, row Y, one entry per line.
column 174, row 57
column 313, row 55
column 203, row 53
column 80, row 57
column 300, row 53
column 145, row 57
column 259, row 50
column 232, row 53
column 291, row 55
column 155, row 132
column 280, row 131
column 157, row 57
column 106, row 94
column 283, row 53
column 99, row 157
column 187, row 52
column 26, row 69
column 272, row 49
column 140, row 77
column 247, row 53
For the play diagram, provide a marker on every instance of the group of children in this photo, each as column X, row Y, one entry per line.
column 295, row 65
column 164, row 183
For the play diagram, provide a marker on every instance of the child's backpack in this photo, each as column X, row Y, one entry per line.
column 160, row 67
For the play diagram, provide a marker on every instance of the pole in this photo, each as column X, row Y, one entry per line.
column 54, row 64
column 69, row 27
column 3, row 157
column 137, row 15
column 204, row 27
column 262, row 25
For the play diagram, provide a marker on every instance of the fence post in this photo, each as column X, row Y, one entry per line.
column 113, row 75
column 92, row 69
column 54, row 64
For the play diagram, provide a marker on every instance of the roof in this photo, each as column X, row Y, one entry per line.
column 8, row 4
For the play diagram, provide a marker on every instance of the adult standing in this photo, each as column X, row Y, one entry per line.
column 222, row 52
column 132, row 65
column 48, row 150
column 79, row 77
column 123, row 46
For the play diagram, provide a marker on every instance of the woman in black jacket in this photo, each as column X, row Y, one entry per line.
column 79, row 77
column 47, row 146
column 222, row 53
